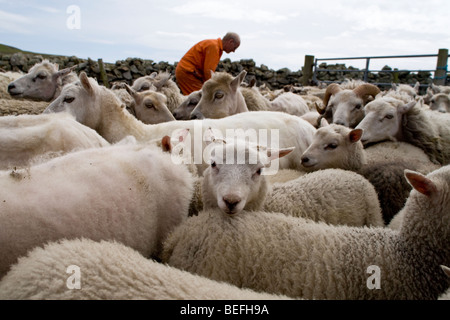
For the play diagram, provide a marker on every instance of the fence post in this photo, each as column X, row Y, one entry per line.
column 103, row 75
column 307, row 70
column 440, row 75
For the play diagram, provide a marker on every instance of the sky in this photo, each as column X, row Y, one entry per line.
column 277, row 34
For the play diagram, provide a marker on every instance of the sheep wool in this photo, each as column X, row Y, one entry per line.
column 131, row 193
column 83, row 269
column 298, row 257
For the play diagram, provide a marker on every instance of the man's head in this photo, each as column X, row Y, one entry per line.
column 231, row 41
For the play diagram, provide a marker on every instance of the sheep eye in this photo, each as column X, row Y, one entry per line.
column 331, row 146
column 389, row 116
column 258, row 172
column 218, row 95
column 68, row 99
column 145, row 87
column 213, row 164
column 149, row 105
column 41, row 76
column 358, row 106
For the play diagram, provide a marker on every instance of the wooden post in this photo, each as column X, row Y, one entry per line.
column 307, row 70
column 440, row 75
column 103, row 75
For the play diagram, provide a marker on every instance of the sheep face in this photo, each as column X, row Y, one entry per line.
column 334, row 146
column 440, row 102
column 73, row 99
column 150, row 107
column 220, row 97
column 347, row 108
column 383, row 119
column 233, row 181
column 39, row 84
column 183, row 112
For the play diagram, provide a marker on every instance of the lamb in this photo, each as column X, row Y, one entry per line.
column 43, row 82
column 387, row 118
column 108, row 270
column 99, row 109
column 440, row 102
column 163, row 83
column 26, row 139
column 235, row 181
column 183, row 111
column 336, row 146
column 149, row 106
column 221, row 97
column 345, row 106
column 301, row 258
column 120, row 192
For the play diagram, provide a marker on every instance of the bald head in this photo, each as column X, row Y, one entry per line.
column 231, row 41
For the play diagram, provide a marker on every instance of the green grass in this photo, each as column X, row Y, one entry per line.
column 5, row 49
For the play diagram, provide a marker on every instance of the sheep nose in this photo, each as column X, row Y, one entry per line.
column 231, row 201
column 11, row 86
column 175, row 114
column 305, row 159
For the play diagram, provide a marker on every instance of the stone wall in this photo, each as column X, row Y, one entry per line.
column 133, row 68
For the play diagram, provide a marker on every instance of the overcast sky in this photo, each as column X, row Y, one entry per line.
column 274, row 33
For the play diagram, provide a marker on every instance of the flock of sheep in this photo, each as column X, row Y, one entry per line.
column 334, row 193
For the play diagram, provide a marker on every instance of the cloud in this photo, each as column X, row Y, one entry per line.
column 231, row 10
column 15, row 23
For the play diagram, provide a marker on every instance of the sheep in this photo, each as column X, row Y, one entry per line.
column 25, row 139
column 290, row 103
column 235, row 181
column 163, row 83
column 99, row 109
column 387, row 118
column 254, row 100
column 120, row 90
column 183, row 111
column 221, row 97
column 119, row 192
column 440, row 102
column 336, row 146
column 150, row 106
column 345, row 106
column 43, row 82
column 300, row 258
column 108, row 270
column 412, row 92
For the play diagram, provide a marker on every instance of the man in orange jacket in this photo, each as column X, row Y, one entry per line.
column 196, row 65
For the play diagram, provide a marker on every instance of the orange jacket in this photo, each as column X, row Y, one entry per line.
column 202, row 58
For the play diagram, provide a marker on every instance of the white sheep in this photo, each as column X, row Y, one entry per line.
column 43, row 82
column 127, row 192
column 290, row 103
column 236, row 181
column 388, row 118
column 26, row 139
column 108, row 270
column 440, row 102
column 336, row 146
column 150, row 106
column 161, row 82
column 99, row 109
column 346, row 106
column 183, row 111
column 221, row 97
column 298, row 257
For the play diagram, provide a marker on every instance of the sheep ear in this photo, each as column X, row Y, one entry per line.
column 446, row 270
column 420, row 182
column 85, row 82
column 166, row 145
column 236, row 82
column 63, row 72
column 278, row 153
column 406, row 107
column 323, row 123
column 355, row 135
